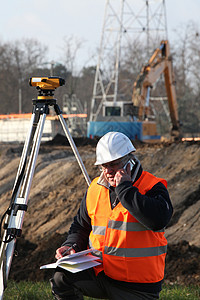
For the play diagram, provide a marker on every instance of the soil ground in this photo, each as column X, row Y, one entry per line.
column 58, row 187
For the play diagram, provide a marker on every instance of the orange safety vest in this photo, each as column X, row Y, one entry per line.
column 129, row 251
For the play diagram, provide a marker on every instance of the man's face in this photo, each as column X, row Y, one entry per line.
column 111, row 168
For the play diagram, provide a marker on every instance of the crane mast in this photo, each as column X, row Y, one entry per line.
column 124, row 21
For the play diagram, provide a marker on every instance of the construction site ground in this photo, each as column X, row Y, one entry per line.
column 58, row 187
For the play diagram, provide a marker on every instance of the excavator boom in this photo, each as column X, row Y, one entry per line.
column 159, row 63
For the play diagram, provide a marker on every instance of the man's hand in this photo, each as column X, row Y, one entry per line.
column 62, row 251
column 123, row 175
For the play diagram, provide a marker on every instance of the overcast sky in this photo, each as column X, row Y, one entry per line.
column 49, row 21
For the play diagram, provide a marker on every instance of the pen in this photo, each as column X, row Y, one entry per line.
column 70, row 248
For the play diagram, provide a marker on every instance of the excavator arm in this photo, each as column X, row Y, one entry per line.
column 159, row 63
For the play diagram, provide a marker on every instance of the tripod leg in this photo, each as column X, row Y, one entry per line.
column 20, row 204
column 15, row 192
column 73, row 146
column 17, row 221
column 26, row 147
column 2, row 281
column 19, row 176
column 33, row 157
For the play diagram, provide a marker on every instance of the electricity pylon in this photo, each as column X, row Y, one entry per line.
column 126, row 22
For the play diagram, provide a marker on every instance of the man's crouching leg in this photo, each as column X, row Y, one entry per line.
column 63, row 288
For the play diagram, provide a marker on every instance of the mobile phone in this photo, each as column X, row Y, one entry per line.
column 131, row 162
column 136, row 169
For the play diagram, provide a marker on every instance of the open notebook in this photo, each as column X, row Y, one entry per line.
column 75, row 262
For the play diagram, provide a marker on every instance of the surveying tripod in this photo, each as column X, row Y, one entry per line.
column 14, row 215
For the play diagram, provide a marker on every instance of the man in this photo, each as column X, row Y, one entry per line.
column 123, row 216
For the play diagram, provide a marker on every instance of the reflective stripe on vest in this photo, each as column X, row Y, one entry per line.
column 130, row 251
column 137, row 252
column 119, row 225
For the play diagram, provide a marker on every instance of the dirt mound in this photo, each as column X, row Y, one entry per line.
column 183, row 264
column 59, row 139
column 58, row 187
column 26, row 264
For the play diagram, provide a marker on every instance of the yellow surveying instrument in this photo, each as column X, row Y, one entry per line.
column 14, row 215
column 46, row 83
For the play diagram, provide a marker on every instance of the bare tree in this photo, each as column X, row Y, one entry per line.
column 18, row 60
column 71, row 48
column 187, row 56
column 186, row 62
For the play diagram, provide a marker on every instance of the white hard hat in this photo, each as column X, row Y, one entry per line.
column 111, row 146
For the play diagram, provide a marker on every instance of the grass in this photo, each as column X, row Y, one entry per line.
column 26, row 290
column 177, row 292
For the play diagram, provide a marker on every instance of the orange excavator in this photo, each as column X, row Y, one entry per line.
column 159, row 63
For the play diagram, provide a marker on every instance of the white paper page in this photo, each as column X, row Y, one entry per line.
column 49, row 266
column 79, row 259
column 76, row 254
column 79, row 267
